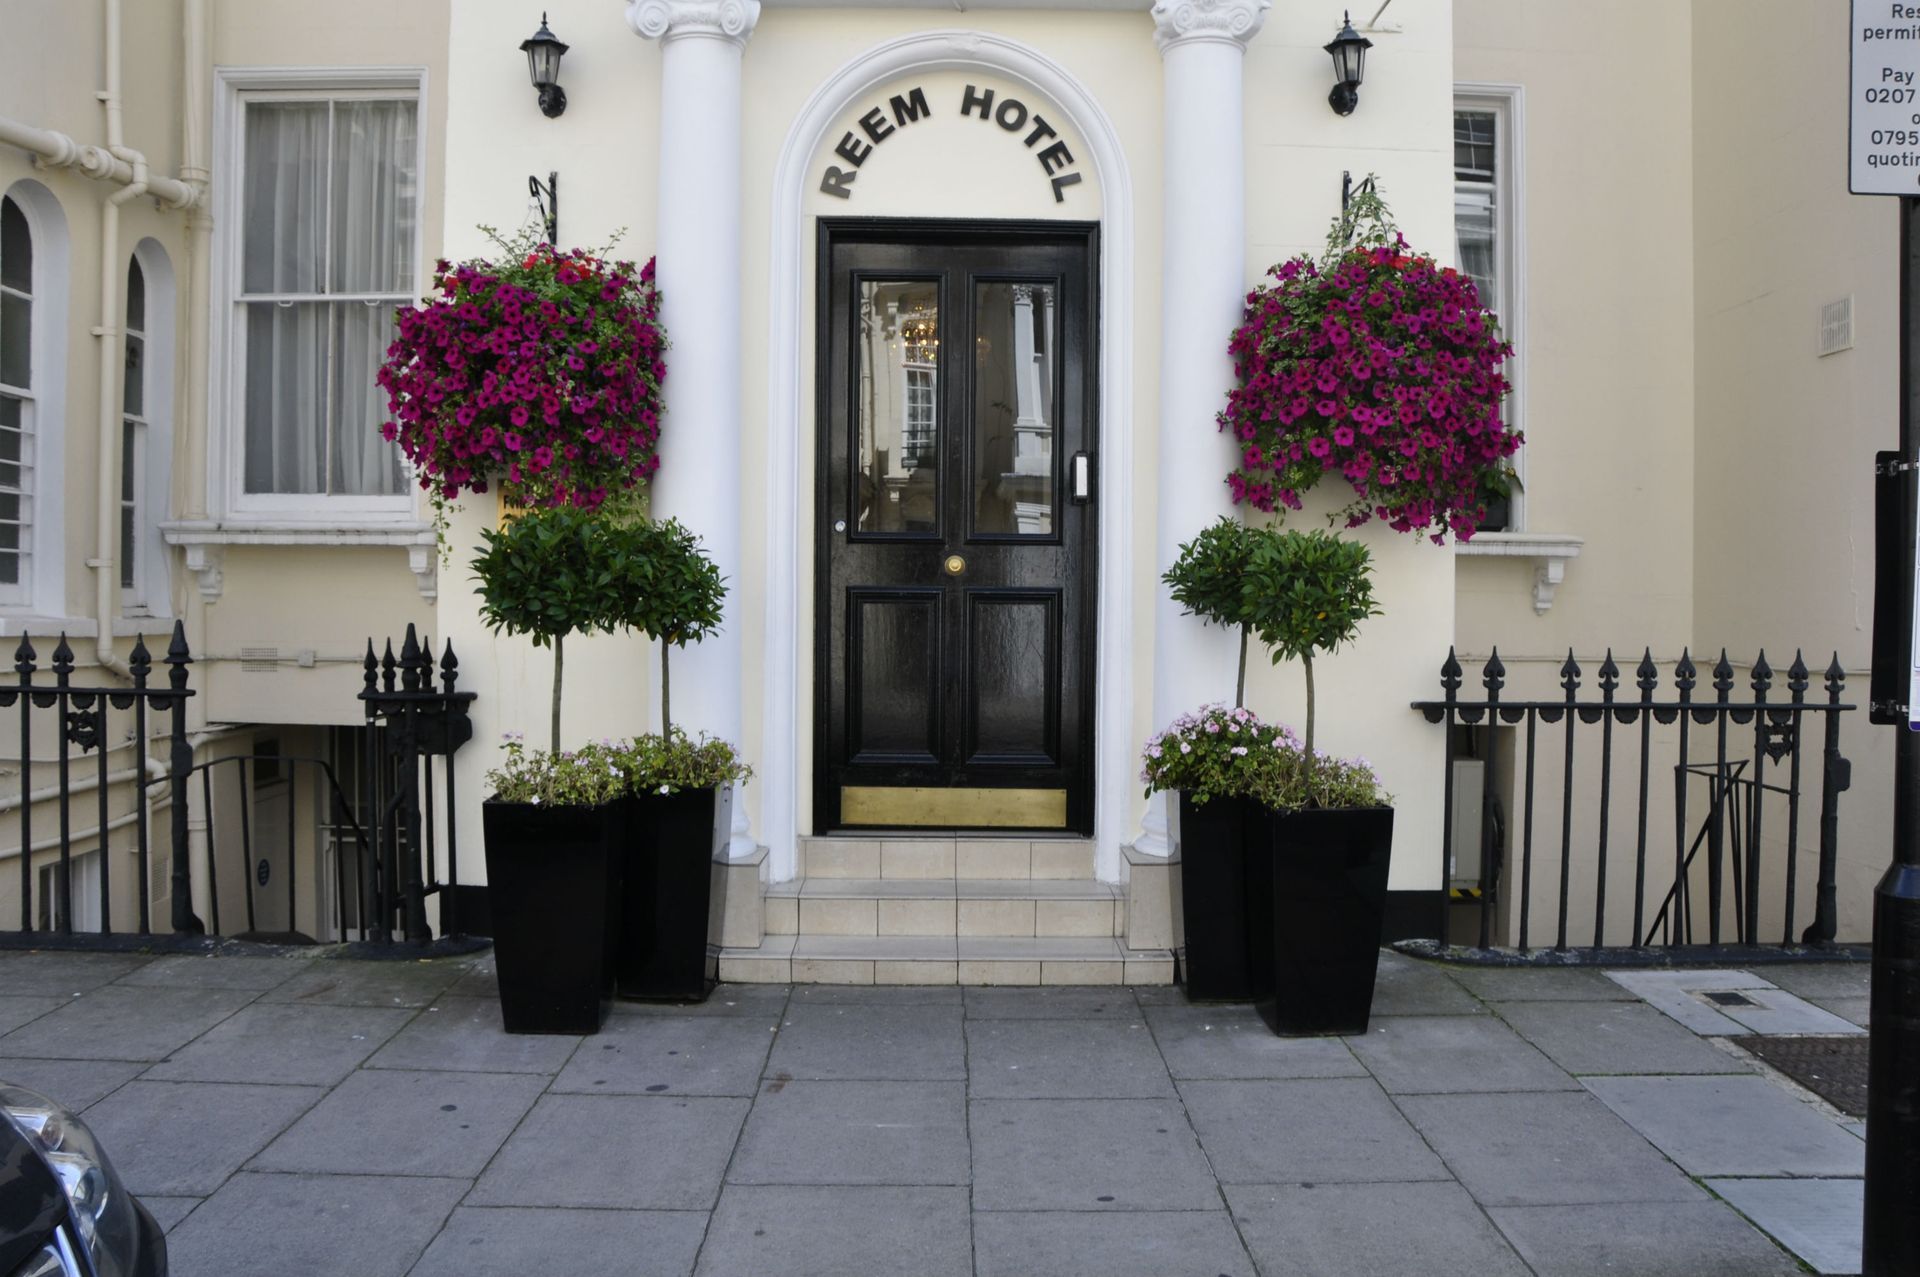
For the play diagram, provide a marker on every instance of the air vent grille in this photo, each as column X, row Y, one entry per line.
column 1836, row 326
column 259, row 660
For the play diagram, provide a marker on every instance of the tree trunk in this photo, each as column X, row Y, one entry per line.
column 559, row 666
column 1307, row 661
column 1240, row 685
column 666, row 701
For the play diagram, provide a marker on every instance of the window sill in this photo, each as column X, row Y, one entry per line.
column 33, row 625
column 204, row 542
column 1550, row 553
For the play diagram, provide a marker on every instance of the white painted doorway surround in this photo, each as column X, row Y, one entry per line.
column 790, row 508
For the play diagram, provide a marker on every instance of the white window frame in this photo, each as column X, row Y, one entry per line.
column 1506, row 103
column 226, row 453
column 41, row 590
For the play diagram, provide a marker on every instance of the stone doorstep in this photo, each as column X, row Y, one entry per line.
column 983, row 960
column 1025, row 907
column 908, row 856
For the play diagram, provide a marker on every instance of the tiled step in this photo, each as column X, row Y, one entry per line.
column 979, row 960
column 884, row 856
column 1025, row 907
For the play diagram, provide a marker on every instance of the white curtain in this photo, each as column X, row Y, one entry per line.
column 329, row 206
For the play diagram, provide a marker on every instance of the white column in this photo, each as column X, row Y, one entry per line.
column 1203, row 286
column 698, row 249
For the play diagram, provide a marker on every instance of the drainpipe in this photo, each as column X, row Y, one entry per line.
column 195, row 143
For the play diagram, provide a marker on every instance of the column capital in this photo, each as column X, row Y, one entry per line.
column 1235, row 22
column 663, row 20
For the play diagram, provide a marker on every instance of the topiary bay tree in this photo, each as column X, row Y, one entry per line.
column 666, row 587
column 1206, row 581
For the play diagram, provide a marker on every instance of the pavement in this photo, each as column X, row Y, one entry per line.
column 294, row 1117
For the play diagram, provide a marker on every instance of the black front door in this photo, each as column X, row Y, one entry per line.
column 956, row 576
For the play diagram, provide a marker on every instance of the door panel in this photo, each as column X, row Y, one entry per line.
column 954, row 661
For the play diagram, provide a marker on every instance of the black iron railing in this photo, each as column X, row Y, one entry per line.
column 1755, row 774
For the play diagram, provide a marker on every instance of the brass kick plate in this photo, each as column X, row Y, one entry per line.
column 904, row 806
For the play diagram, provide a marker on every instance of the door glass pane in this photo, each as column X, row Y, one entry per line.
column 896, row 452
column 1014, row 412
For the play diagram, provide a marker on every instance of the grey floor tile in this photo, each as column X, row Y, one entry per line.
column 726, row 999
column 1098, row 1155
column 1616, row 1037
column 183, row 1139
column 1544, row 1149
column 838, row 1232
column 1064, row 1059
column 1061, row 1002
column 513, row 1241
column 218, row 971
column 1641, row 1239
column 673, row 1055
column 855, row 1133
column 285, row 1043
column 1427, row 1055
column 368, row 983
column 1320, row 1130
column 119, row 1023
column 1732, row 1125
column 645, row 1152
column 1228, row 1042
column 15, row 1012
column 1407, row 986
column 1085, row 1244
column 313, row 1225
column 1817, row 1219
column 1817, row 981
column 62, row 975
column 1548, row 984
column 896, row 1043
column 74, row 1083
column 1370, row 1230
column 467, row 1034
column 877, row 994
column 168, row 1212
column 406, row 1123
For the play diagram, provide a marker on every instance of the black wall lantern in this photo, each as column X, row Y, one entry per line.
column 543, row 64
column 1349, row 53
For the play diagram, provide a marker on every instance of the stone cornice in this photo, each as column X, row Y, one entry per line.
column 713, row 19
column 1219, row 21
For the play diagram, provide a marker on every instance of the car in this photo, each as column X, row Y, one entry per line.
column 63, row 1210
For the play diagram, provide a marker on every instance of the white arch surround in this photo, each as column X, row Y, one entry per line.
column 789, row 505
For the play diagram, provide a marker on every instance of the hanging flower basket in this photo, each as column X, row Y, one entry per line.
column 1376, row 365
column 539, row 372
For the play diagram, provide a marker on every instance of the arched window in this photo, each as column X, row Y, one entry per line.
column 146, row 436
column 16, row 400
column 33, row 359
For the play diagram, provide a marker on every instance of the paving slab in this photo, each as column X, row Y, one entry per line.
column 1641, row 1239
column 1085, row 1244
column 218, row 971
column 1055, row 1002
column 406, row 1123
column 62, row 975
column 313, row 1225
column 1407, row 986
column 1732, row 1125
column 467, row 1034
column 1370, row 1230
column 631, row 1152
column 1820, row 980
column 1087, row 1155
column 74, row 1083
column 838, row 1232
column 512, row 1241
column 1817, row 1219
column 184, row 1139
column 1227, row 1042
column 877, row 994
column 884, row 1043
column 1544, row 1148
column 1615, row 1037
column 481, row 979
column 15, row 1012
column 119, row 1023
column 357, row 982
column 1421, row 1055
column 168, row 1212
column 671, row 1055
column 286, row 1043
column 1326, row 1130
column 1064, row 1059
column 1682, row 995
column 1547, row 984
column 726, row 999
column 1852, row 1010
column 855, row 1133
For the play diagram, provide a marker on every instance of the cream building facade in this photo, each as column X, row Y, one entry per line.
column 1696, row 472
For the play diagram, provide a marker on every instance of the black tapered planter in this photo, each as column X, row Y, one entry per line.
column 1329, row 893
column 675, row 894
column 1225, row 898
column 553, row 886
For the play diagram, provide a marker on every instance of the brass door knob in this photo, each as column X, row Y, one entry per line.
column 955, row 565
